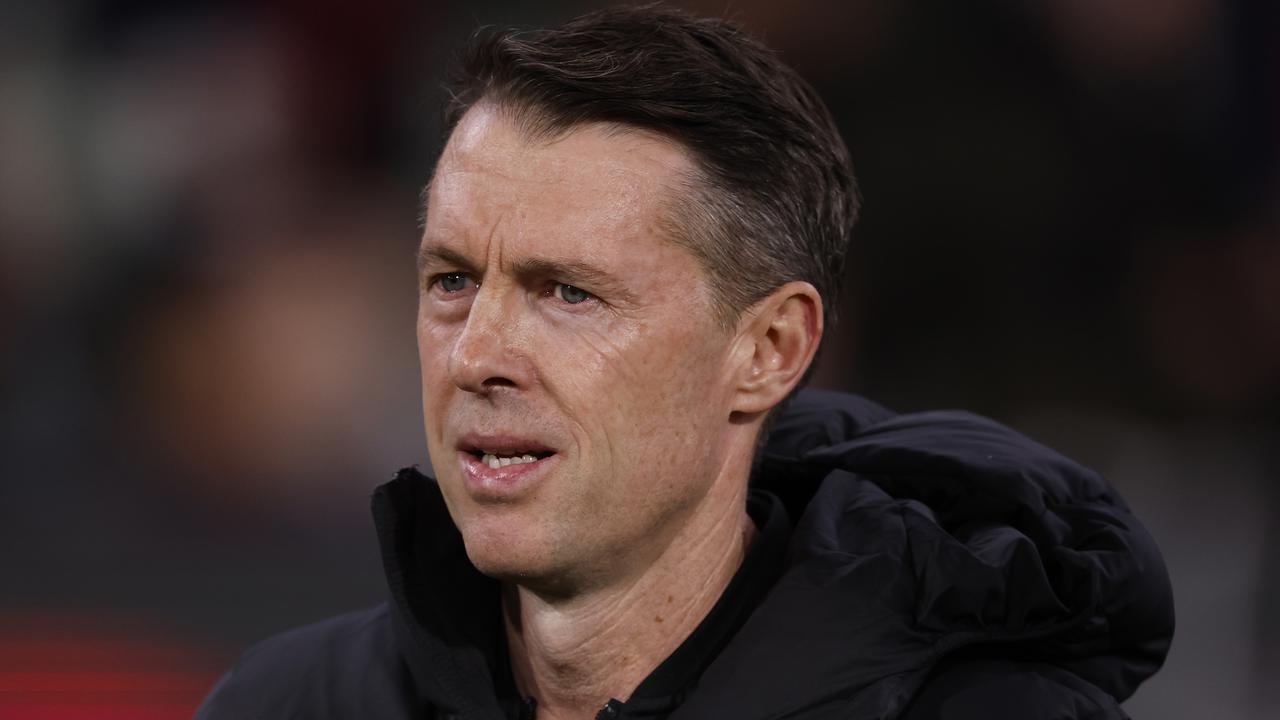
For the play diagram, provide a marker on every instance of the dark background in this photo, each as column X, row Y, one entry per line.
column 207, row 362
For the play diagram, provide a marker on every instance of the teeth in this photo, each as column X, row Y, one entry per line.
column 495, row 461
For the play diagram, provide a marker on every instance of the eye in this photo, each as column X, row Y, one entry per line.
column 570, row 294
column 453, row 282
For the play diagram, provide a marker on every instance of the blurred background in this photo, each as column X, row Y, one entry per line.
column 207, row 218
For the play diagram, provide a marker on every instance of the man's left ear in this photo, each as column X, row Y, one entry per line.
column 782, row 334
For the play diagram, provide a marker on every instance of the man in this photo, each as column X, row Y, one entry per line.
column 633, row 241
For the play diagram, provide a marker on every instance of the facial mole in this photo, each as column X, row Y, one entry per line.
column 657, row 618
column 670, row 598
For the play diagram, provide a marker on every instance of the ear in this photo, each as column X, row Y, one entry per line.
column 779, row 338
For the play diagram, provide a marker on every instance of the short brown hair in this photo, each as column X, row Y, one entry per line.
column 775, row 198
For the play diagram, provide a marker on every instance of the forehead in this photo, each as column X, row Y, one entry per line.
column 596, row 180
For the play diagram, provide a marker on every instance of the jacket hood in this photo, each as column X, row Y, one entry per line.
column 916, row 536
column 921, row 535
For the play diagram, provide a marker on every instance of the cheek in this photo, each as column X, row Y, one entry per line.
column 649, row 389
column 583, row 376
column 434, row 341
column 683, row 387
column 436, row 336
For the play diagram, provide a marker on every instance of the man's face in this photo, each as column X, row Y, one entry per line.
column 557, row 324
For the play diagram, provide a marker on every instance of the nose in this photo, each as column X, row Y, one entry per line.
column 482, row 357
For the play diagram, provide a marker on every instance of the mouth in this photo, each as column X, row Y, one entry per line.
column 501, row 467
column 497, row 458
column 499, row 451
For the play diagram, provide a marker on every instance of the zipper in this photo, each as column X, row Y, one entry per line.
column 610, row 711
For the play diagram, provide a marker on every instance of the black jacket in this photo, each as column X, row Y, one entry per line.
column 940, row 566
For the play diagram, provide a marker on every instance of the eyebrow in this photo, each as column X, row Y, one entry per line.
column 574, row 272
column 566, row 270
column 433, row 253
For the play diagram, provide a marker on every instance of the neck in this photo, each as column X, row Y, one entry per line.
column 575, row 654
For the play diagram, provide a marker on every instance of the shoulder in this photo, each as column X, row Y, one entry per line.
column 332, row 668
column 980, row 689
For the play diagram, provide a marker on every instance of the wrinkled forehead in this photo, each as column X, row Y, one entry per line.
column 598, row 177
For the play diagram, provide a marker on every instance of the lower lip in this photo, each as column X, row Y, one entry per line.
column 502, row 483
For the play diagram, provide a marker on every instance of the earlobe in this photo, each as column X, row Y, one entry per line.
column 783, row 334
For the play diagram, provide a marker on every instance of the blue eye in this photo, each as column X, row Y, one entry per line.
column 571, row 294
column 452, row 282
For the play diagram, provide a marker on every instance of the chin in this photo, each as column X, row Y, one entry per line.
column 499, row 549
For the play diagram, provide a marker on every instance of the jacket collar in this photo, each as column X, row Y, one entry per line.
column 446, row 614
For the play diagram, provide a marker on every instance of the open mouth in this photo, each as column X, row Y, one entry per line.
column 497, row 451
column 502, row 457
column 502, row 468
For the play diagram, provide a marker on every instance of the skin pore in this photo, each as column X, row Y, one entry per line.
column 555, row 316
